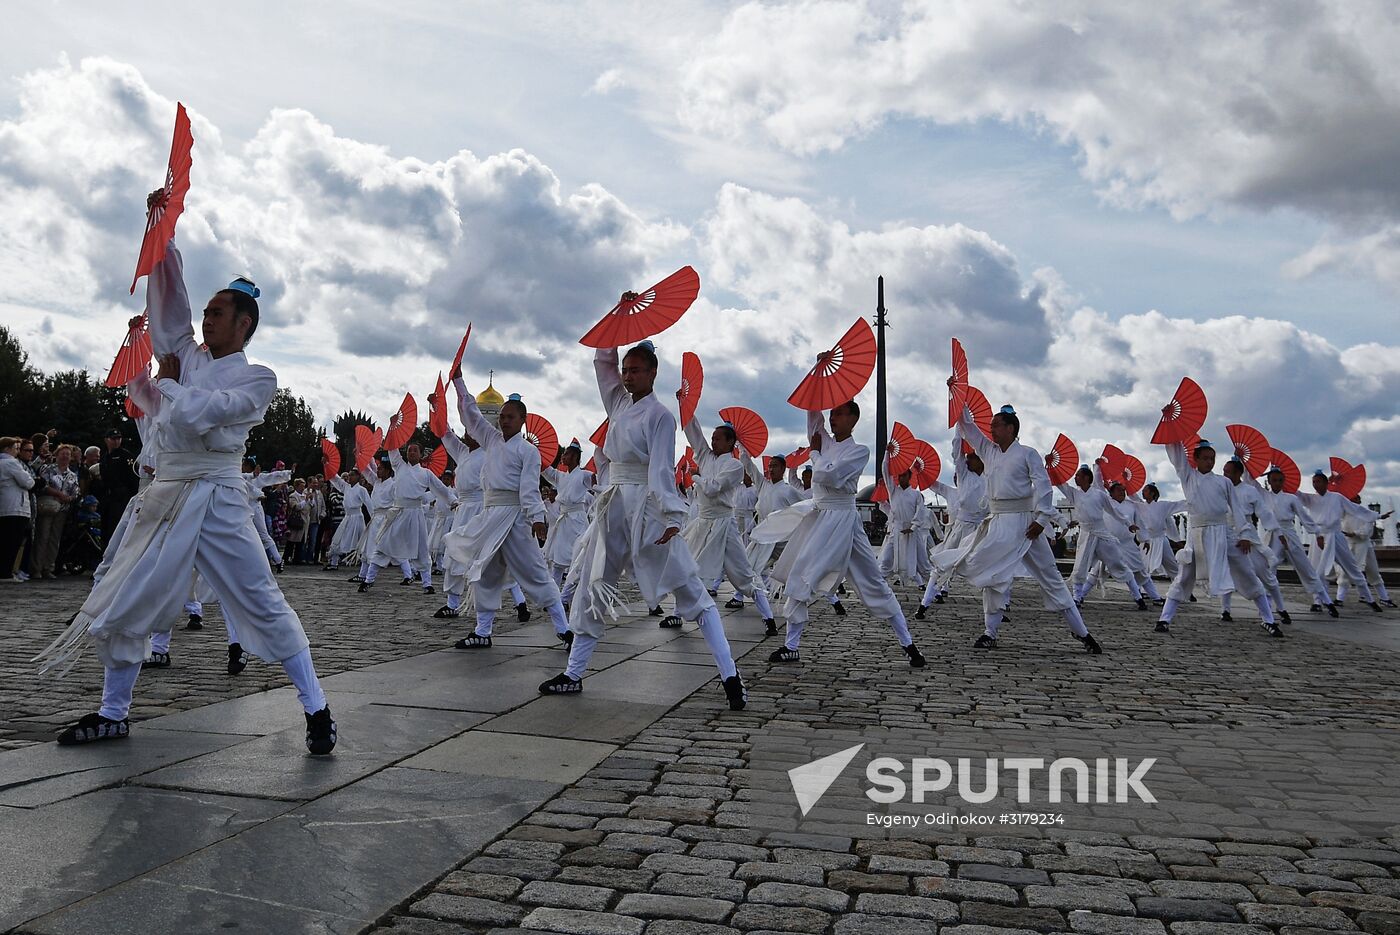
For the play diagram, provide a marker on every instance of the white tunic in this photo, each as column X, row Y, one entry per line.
column 715, row 494
column 574, row 492
column 405, row 536
column 1327, row 511
column 900, row 550
column 355, row 501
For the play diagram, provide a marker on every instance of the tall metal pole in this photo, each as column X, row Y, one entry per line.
column 881, row 425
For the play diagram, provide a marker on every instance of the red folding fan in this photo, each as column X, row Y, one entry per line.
column 1338, row 465
column 903, row 454
column 749, row 426
column 692, row 382
column 402, row 423
column 133, row 411
column 456, row 367
column 1134, row 474
column 880, row 494
column 840, row 373
column 926, row 465
column 1062, row 460
column 1117, row 464
column 592, row 466
column 1347, row 480
column 957, row 392
column 981, row 413
column 687, row 461
column 600, row 435
column 133, row 356
column 799, row 457
column 1292, row 477
column 1183, row 416
column 437, row 460
column 641, row 315
column 437, row 409
column 541, row 434
column 1251, row 447
column 330, row 458
column 1190, row 446
column 367, row 442
column 165, row 211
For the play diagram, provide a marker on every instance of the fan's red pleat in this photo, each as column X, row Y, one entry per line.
column 402, row 424
column 541, row 434
column 437, row 410
column 1135, row 474
column 1350, row 482
column 1251, row 447
column 461, row 349
column 1292, row 477
column 926, row 466
column 133, row 411
column 651, row 312
column 840, row 373
column 437, row 461
column 957, row 393
column 692, row 383
column 1190, row 446
column 330, row 458
column 600, row 435
column 749, row 426
column 981, row 410
column 365, row 446
column 1338, row 465
column 799, row 457
column 880, row 495
column 161, row 218
column 1062, row 461
column 592, row 465
column 903, row 455
column 1186, row 416
column 132, row 357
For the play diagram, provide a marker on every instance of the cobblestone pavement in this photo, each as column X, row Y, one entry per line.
column 348, row 630
column 1279, row 807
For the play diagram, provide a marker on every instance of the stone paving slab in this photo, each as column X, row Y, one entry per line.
column 277, row 767
column 335, row 865
column 252, row 715
column 56, row 854
column 512, row 756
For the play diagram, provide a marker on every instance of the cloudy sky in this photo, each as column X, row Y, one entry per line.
column 1097, row 198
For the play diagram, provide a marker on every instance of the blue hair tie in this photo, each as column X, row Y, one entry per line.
column 1008, row 410
column 646, row 343
column 1320, row 473
column 1235, row 459
column 1202, row 443
column 1083, row 467
column 247, row 288
column 728, row 423
column 513, row 398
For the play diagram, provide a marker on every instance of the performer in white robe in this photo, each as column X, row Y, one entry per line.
column 967, row 508
column 1327, row 507
column 1122, row 524
column 439, row 517
column 924, row 522
column 380, row 482
column 745, row 506
column 829, row 543
column 713, row 535
column 1010, row 541
column 636, row 525
column 404, row 540
column 194, row 515
column 899, row 552
column 574, row 491
column 503, row 538
column 256, row 483
column 1254, row 505
column 1157, row 528
column 1285, row 544
column 774, row 494
column 355, row 502
column 1218, row 541
column 1093, row 509
column 1359, row 532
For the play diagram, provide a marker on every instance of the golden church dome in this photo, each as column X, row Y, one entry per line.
column 490, row 397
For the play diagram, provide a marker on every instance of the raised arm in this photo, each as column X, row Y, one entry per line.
column 609, row 379
column 1176, row 454
column 1041, row 491
column 1359, row 512
column 696, row 439
column 170, row 319
column 455, row 447
column 445, row 495
column 142, row 389
column 816, row 424
column 979, row 442
column 476, row 424
column 338, row 482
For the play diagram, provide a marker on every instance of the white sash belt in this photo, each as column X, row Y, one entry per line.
column 1011, row 505
column 1207, row 519
column 628, row 472
column 501, row 498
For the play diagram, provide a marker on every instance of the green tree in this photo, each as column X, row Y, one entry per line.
column 287, row 433
column 21, row 389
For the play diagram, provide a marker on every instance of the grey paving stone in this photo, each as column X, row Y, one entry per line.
column 1094, row 923
column 996, row 916
column 1185, row 910
column 565, row 895
column 480, row 885
column 858, row 923
column 793, row 894
column 616, row 878
column 971, row 890
column 759, row 871
column 467, row 909
column 994, row 873
column 882, row 863
column 1185, row 889
column 686, row 927
column 1217, row 928
column 654, row 906
column 1315, row 916
column 937, row 910
column 576, row 922
column 679, row 863
column 753, row 917
column 1097, row 898
column 704, row 887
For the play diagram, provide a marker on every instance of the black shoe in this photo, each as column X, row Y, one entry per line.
column 522, row 613
column 783, row 654
column 1161, row 627
column 1079, row 603
column 157, row 661
column 474, row 642
column 331, row 568
column 1389, row 603
column 916, row 658
column 93, row 727
column 1005, row 617
column 713, row 593
column 841, row 589
column 1332, row 610
column 921, row 613
column 566, row 610
column 1225, row 616
column 840, row 610
column 1316, row 608
column 985, row 642
column 445, row 612
column 1141, row 603
column 196, row 622
column 430, row 590
column 734, row 691
column 1091, row 645
column 567, row 638
column 938, row 598
column 237, row 658
column 733, row 604
column 1191, row 598
column 654, row 611
column 407, row 581
column 365, row 586
column 1377, row 607
column 671, row 622
column 1160, row 601
column 320, row 732
column 355, row 579
column 1339, row 602
column 561, row 684
column 1271, row 628
column 770, row 627
column 1283, row 615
